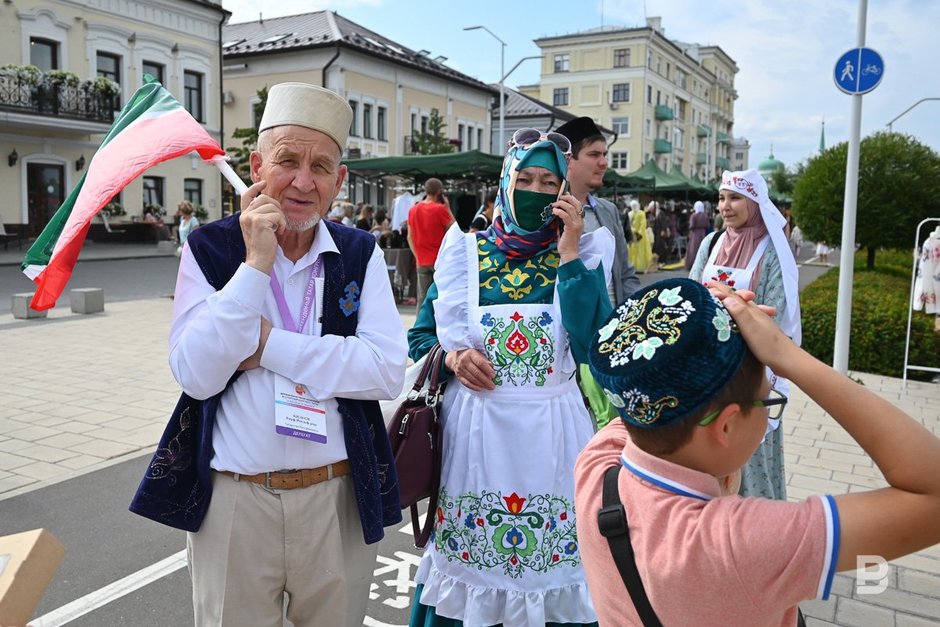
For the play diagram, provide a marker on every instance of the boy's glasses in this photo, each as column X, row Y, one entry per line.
column 774, row 405
column 528, row 136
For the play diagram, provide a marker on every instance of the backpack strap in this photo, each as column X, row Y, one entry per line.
column 712, row 242
column 612, row 521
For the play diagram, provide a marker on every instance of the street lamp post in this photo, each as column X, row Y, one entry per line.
column 889, row 124
column 502, row 70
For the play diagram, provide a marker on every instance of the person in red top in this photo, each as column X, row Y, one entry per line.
column 428, row 221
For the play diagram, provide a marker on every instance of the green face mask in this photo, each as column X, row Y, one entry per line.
column 529, row 209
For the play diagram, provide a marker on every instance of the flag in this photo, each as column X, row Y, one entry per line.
column 151, row 128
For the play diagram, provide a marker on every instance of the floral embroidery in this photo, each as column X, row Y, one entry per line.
column 615, row 399
column 515, row 290
column 511, row 534
column 350, row 304
column 517, row 279
column 722, row 322
column 640, row 409
column 521, row 350
column 176, row 456
column 625, row 337
column 723, row 276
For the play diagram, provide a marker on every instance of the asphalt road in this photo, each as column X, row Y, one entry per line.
column 107, row 543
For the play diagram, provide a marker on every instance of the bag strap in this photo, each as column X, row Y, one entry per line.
column 711, row 244
column 423, row 534
column 612, row 521
column 426, row 369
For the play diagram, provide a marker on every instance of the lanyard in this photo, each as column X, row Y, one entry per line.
column 307, row 306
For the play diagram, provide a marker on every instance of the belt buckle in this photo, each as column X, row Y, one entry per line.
column 267, row 481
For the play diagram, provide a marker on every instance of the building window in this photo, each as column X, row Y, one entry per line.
column 621, row 92
column 649, row 128
column 381, row 125
column 649, row 94
column 480, row 139
column 109, row 66
column 192, row 191
column 622, row 57
column 560, row 97
column 44, row 53
column 680, row 138
column 668, row 70
column 424, row 125
column 739, row 156
column 621, row 126
column 367, row 120
column 414, row 123
column 463, row 145
column 649, row 59
column 620, row 160
column 561, row 62
column 153, row 192
column 154, row 69
column 354, row 126
column 192, row 94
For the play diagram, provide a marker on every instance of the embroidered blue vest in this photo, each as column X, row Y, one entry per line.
column 176, row 487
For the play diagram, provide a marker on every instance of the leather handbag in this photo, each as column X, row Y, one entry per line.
column 416, row 436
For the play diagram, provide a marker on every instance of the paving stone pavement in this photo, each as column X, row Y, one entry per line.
column 82, row 392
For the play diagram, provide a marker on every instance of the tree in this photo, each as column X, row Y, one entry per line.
column 898, row 186
column 433, row 142
column 249, row 137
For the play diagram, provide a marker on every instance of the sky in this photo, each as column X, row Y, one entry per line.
column 786, row 53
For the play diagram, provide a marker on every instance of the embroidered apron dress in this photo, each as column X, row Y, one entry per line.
column 763, row 474
column 505, row 548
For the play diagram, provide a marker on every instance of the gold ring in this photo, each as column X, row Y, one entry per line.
column 581, row 212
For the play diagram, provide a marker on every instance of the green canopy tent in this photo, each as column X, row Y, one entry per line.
column 694, row 185
column 615, row 184
column 664, row 182
column 471, row 165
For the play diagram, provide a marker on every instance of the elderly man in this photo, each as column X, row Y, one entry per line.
column 586, row 175
column 285, row 330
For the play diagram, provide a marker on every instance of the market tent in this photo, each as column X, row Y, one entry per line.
column 473, row 165
column 626, row 183
column 694, row 184
column 663, row 181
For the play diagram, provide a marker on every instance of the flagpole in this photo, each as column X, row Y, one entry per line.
column 229, row 174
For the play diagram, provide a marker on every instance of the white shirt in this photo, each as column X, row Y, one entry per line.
column 214, row 331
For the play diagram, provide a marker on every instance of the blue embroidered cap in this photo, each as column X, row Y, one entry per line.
column 666, row 352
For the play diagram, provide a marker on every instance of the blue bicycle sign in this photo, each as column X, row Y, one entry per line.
column 859, row 71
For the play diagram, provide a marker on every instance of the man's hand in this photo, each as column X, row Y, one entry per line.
column 261, row 219
column 472, row 368
column 255, row 360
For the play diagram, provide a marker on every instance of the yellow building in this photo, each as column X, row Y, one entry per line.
column 53, row 113
column 667, row 100
column 392, row 89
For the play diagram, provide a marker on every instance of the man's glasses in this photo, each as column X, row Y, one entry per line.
column 528, row 136
column 774, row 405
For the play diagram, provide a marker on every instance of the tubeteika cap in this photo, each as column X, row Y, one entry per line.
column 666, row 352
column 579, row 128
column 301, row 104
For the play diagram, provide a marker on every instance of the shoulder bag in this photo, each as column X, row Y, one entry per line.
column 416, row 437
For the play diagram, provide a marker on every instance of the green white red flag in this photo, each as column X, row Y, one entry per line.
column 151, row 128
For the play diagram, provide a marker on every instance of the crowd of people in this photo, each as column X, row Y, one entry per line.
column 285, row 334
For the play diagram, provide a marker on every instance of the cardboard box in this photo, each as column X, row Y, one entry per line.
column 28, row 562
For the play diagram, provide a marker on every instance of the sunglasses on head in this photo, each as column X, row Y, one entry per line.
column 528, row 136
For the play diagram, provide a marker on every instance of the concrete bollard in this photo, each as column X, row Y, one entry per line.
column 87, row 300
column 21, row 310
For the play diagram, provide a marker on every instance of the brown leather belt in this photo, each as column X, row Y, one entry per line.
column 296, row 479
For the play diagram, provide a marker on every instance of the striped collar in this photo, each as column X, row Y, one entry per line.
column 667, row 475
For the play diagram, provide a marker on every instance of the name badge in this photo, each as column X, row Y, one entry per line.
column 296, row 413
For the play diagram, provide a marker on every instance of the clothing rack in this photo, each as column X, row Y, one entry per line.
column 910, row 308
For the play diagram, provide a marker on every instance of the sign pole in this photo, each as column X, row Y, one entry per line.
column 840, row 360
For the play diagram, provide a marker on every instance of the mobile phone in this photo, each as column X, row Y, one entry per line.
column 563, row 188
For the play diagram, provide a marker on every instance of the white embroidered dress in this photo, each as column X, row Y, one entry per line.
column 505, row 548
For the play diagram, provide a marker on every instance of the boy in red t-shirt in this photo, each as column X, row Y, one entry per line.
column 428, row 221
column 685, row 370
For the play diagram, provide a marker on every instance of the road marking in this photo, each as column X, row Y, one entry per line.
column 92, row 601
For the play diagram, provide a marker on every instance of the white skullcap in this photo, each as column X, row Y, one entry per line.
column 310, row 106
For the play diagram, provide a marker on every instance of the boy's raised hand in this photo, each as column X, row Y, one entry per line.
column 763, row 336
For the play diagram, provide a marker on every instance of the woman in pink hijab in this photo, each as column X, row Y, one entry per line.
column 752, row 252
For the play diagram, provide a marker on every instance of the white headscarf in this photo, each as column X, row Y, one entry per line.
column 750, row 184
column 698, row 207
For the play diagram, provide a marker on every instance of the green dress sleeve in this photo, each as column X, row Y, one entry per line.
column 770, row 289
column 585, row 305
column 423, row 335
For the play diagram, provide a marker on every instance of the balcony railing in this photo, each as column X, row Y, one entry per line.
column 701, row 158
column 724, row 138
column 664, row 113
column 704, row 130
column 723, row 163
column 57, row 101
column 661, row 146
